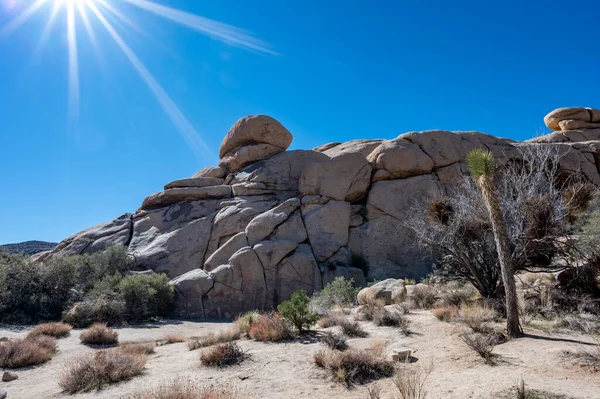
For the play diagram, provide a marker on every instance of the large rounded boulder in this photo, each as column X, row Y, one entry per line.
column 251, row 139
column 388, row 291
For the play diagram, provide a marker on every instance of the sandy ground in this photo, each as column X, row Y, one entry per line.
column 286, row 370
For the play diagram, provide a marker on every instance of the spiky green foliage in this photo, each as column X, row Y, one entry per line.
column 481, row 163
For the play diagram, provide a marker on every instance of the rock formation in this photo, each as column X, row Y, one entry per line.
column 266, row 222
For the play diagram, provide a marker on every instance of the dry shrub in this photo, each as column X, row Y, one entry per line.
column 588, row 356
column 56, row 330
column 222, row 337
column 424, row 296
column 142, row 348
column 331, row 319
column 334, row 341
column 99, row 334
column 383, row 317
column 244, row 322
column 378, row 347
column 445, row 313
column 222, row 355
column 481, row 344
column 270, row 328
column 354, row 366
column 455, row 293
column 520, row 391
column 188, row 389
column 411, row 383
column 477, row 316
column 352, row 328
column 16, row 353
column 98, row 369
column 173, row 339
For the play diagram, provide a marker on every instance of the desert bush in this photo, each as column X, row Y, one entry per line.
column 99, row 334
column 30, row 351
column 589, row 356
column 146, row 295
column 412, row 383
column 481, row 344
column 187, row 388
column 352, row 328
column 340, row 292
column 581, row 322
column 445, row 313
column 173, row 339
column 383, row 317
column 298, row 311
column 477, row 316
column 222, row 337
column 378, row 347
column 354, row 366
column 331, row 319
column 34, row 291
column 142, row 348
column 101, row 368
column 424, row 296
column 114, row 260
column 103, row 308
column 455, row 293
column 244, row 322
column 270, row 328
column 334, row 341
column 56, row 330
column 222, row 355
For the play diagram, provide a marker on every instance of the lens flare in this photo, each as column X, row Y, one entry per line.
column 85, row 10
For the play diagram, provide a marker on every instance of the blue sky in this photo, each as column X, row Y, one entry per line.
column 343, row 70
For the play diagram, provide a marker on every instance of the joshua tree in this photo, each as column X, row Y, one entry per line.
column 481, row 166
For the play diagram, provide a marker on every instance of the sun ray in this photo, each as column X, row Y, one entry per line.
column 16, row 23
column 73, row 67
column 215, row 29
column 186, row 129
column 46, row 32
column 81, row 7
column 121, row 16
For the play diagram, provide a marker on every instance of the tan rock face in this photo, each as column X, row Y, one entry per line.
column 256, row 129
column 267, row 222
column 389, row 292
column 573, row 118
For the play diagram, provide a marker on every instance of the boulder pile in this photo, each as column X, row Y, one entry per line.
column 266, row 222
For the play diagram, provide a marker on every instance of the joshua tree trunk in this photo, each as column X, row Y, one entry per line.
column 481, row 166
column 502, row 246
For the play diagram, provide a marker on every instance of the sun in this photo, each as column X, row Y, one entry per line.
column 82, row 12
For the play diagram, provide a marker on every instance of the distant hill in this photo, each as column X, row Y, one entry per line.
column 29, row 247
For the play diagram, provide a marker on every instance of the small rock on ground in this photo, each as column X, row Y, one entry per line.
column 8, row 377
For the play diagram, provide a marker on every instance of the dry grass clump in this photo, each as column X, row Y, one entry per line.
column 222, row 355
column 270, row 328
column 424, row 296
column 142, row 348
column 520, row 391
column 482, row 345
column 56, row 330
column 477, row 316
column 445, row 313
column 383, row 317
column 244, row 322
column 16, row 353
column 588, row 356
column 188, row 389
column 456, row 293
column 352, row 328
column 412, row 383
column 231, row 334
column 334, row 341
column 98, row 369
column 378, row 347
column 354, row 366
column 99, row 334
column 173, row 339
column 331, row 319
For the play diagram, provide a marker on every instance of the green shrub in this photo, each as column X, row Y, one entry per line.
column 33, row 291
column 93, row 268
column 340, row 292
column 297, row 311
column 147, row 295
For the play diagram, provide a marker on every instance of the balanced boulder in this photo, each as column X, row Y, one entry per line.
column 573, row 118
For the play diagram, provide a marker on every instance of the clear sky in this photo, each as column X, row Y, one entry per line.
column 87, row 131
